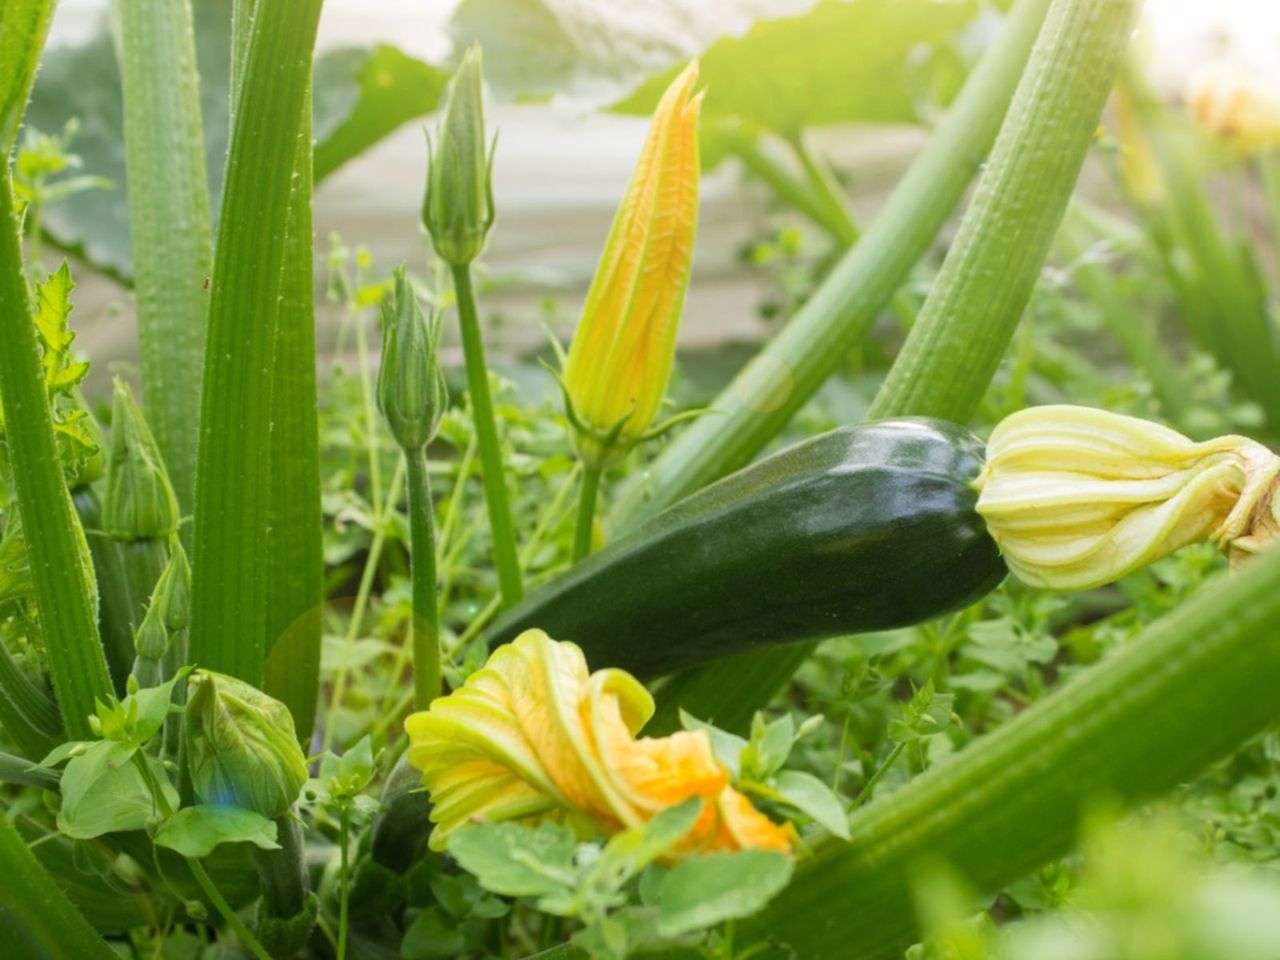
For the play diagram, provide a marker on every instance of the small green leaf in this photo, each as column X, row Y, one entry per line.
column 431, row 936
column 517, row 861
column 197, row 831
column 109, row 795
column 349, row 774
column 629, row 852
column 769, row 747
column 700, row 892
column 814, row 799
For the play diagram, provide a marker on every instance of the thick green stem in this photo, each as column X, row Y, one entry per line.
column 230, row 564
column 295, row 527
column 491, row 462
column 814, row 343
column 61, row 569
column 426, row 618
column 23, row 27
column 586, row 522
column 1190, row 689
column 168, row 221
column 37, row 918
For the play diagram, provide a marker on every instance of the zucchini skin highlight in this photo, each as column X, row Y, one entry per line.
column 864, row 528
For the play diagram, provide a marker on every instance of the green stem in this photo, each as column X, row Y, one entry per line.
column 142, row 561
column 61, row 569
column 168, row 221
column 247, row 939
column 24, row 25
column 1191, row 688
column 39, row 919
column 815, row 342
column 295, row 528
column 426, row 617
column 491, row 462
column 23, row 772
column 344, row 886
column 865, row 793
column 26, row 713
column 585, row 526
column 1269, row 173
column 233, row 493
column 824, row 186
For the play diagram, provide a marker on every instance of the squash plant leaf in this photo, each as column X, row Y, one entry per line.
column 515, row 860
column 874, row 61
column 103, row 792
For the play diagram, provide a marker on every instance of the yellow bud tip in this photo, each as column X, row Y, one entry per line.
column 535, row 735
column 1077, row 498
column 621, row 356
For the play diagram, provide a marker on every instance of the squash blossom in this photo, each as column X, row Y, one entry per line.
column 1232, row 106
column 620, row 360
column 535, row 735
column 1077, row 497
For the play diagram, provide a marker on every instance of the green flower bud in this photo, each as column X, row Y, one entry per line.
column 411, row 388
column 172, row 595
column 152, row 638
column 241, row 748
column 458, row 207
column 140, row 503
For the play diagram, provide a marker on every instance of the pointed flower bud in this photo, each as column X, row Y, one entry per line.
column 1234, row 107
column 172, row 595
column 535, row 735
column 1077, row 497
column 616, row 374
column 411, row 390
column 140, row 502
column 240, row 746
column 457, row 210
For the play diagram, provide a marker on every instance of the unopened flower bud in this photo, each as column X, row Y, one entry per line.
column 1076, row 497
column 140, row 503
column 172, row 595
column 411, row 389
column 457, row 210
column 241, row 748
column 622, row 353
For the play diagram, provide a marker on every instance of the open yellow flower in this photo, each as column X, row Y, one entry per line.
column 1236, row 108
column 620, row 360
column 1077, row 497
column 534, row 734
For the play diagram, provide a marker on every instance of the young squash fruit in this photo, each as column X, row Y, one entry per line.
column 863, row 528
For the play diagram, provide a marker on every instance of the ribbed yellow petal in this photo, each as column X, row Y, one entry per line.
column 621, row 356
column 1077, row 497
column 535, row 734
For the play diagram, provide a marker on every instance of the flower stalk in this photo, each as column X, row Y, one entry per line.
column 412, row 397
column 457, row 212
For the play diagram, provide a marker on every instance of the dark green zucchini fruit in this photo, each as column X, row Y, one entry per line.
column 863, row 528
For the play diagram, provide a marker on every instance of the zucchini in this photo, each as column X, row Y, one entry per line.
column 863, row 528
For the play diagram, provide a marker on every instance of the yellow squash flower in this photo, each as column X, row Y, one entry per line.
column 1077, row 497
column 1232, row 106
column 534, row 734
column 620, row 360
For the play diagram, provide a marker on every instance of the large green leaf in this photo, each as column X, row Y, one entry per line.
column 843, row 61
column 596, row 51
column 361, row 95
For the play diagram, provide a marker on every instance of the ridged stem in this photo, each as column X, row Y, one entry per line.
column 295, row 538
column 37, row 918
column 168, row 221
column 24, row 773
column 1193, row 687
column 426, row 619
column 230, row 565
column 26, row 714
column 763, row 397
column 55, row 541
column 492, row 468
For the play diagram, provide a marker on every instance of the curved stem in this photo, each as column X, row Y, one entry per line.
column 586, row 512
column 491, row 466
column 425, row 622
column 247, row 939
